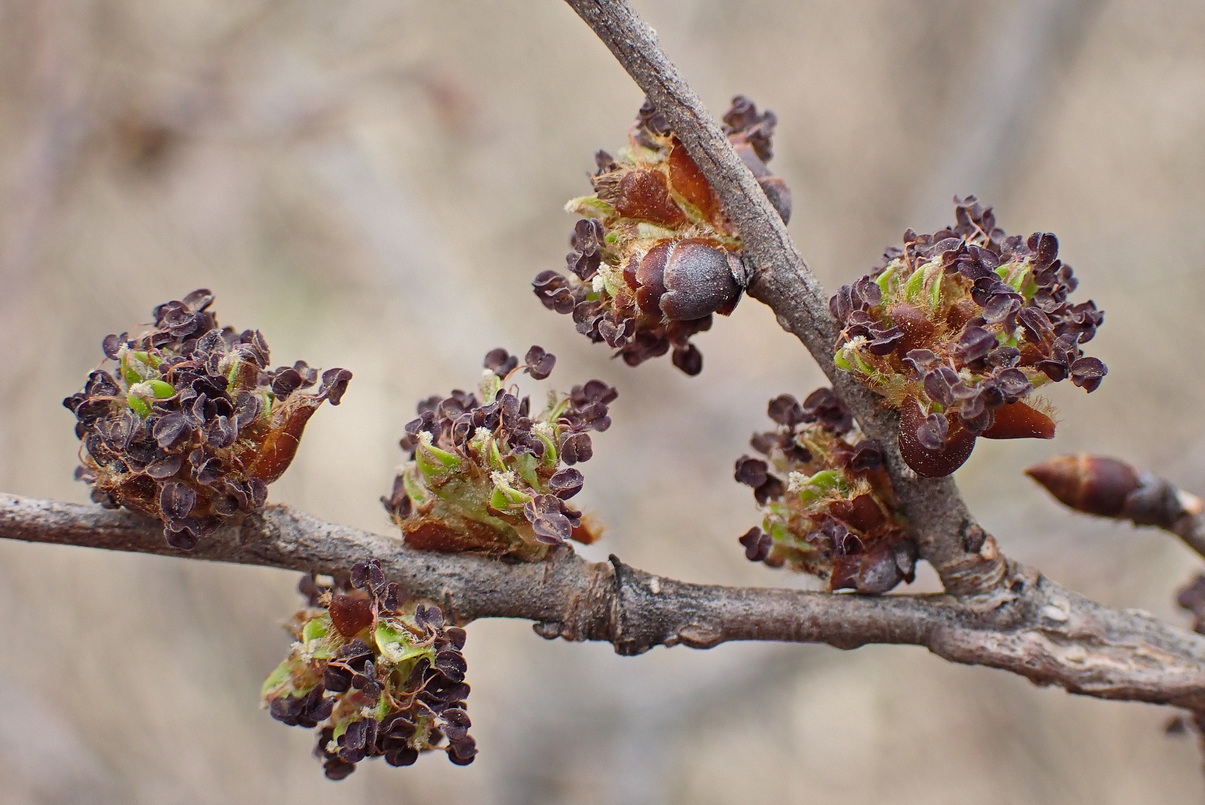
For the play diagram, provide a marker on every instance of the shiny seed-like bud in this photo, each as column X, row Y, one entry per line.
column 688, row 279
column 957, row 447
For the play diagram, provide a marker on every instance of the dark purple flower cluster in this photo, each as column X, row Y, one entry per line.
column 487, row 474
column 377, row 678
column 828, row 506
column 190, row 425
column 655, row 255
column 958, row 327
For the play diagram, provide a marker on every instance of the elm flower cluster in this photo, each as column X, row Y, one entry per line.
column 654, row 255
column 376, row 676
column 958, row 328
column 828, row 506
column 187, row 424
column 488, row 475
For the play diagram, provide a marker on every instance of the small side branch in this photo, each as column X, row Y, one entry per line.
column 946, row 532
column 1046, row 634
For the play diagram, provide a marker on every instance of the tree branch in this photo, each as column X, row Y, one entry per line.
column 963, row 554
column 1046, row 634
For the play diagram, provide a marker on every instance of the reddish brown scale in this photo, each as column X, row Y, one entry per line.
column 1030, row 354
column 280, row 445
column 1019, row 421
column 351, row 614
column 844, row 573
column 689, row 182
column 860, row 514
column 932, row 463
column 436, row 534
column 138, row 493
column 629, row 274
column 687, row 279
column 842, row 453
column 918, row 329
column 586, row 533
column 245, row 375
column 960, row 313
column 644, row 194
column 1091, row 484
column 274, row 456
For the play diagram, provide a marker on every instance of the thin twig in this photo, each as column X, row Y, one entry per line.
column 1047, row 634
column 962, row 553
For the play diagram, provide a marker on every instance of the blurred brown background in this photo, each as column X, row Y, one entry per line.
column 373, row 184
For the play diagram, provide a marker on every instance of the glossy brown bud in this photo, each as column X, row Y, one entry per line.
column 957, row 449
column 1092, row 484
column 688, row 279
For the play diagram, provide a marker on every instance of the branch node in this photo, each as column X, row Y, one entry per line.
column 981, row 572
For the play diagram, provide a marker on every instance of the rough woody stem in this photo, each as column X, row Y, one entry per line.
column 1046, row 634
column 964, row 556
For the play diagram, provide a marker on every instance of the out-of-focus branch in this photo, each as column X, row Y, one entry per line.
column 1045, row 633
column 964, row 556
column 1191, row 527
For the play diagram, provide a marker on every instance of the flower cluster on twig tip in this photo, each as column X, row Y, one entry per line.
column 958, row 327
column 186, row 423
column 378, row 677
column 828, row 506
column 486, row 474
column 655, row 255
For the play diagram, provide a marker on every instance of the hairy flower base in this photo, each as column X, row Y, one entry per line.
column 958, row 328
column 834, row 516
column 655, row 256
column 187, row 424
column 377, row 678
column 487, row 475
